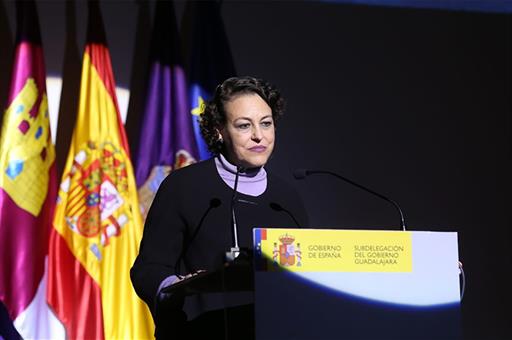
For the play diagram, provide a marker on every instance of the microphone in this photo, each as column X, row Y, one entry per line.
column 214, row 203
column 303, row 173
column 277, row 207
column 233, row 253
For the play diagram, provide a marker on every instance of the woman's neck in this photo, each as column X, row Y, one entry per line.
column 252, row 182
column 231, row 167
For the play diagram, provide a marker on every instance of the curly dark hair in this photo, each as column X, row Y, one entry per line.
column 213, row 117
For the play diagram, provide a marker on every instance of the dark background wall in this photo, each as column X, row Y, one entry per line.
column 412, row 103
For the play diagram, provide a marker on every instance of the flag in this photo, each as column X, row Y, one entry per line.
column 209, row 58
column 167, row 136
column 27, row 186
column 97, row 225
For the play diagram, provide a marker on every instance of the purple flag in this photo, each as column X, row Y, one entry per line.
column 167, row 138
column 27, row 185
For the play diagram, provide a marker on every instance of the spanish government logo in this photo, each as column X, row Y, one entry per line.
column 96, row 188
column 288, row 254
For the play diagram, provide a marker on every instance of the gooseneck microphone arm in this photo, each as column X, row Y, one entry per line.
column 235, row 250
column 214, row 203
column 303, row 173
column 233, row 202
column 278, row 207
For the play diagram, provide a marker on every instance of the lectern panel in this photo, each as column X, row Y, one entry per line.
column 353, row 284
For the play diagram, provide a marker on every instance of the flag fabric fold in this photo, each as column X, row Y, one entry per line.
column 167, row 136
column 27, row 186
column 209, row 58
column 97, row 225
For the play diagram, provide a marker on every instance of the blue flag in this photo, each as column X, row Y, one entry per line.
column 209, row 58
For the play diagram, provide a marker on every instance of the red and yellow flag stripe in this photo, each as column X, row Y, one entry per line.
column 97, row 224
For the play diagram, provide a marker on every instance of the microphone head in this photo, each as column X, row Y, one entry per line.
column 276, row 206
column 215, row 202
column 300, row 173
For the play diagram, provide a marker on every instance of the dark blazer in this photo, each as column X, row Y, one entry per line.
column 181, row 201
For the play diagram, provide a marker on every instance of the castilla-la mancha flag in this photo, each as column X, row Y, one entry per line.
column 28, row 183
column 97, row 223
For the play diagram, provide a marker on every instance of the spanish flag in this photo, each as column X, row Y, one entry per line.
column 97, row 223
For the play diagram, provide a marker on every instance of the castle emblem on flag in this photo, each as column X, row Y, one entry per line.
column 94, row 189
column 26, row 150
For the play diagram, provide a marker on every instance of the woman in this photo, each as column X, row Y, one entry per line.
column 190, row 220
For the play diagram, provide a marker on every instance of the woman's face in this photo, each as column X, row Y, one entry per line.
column 249, row 131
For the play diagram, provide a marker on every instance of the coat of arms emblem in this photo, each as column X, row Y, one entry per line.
column 287, row 252
column 94, row 190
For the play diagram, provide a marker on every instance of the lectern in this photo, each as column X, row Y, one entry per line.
column 345, row 284
column 356, row 284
